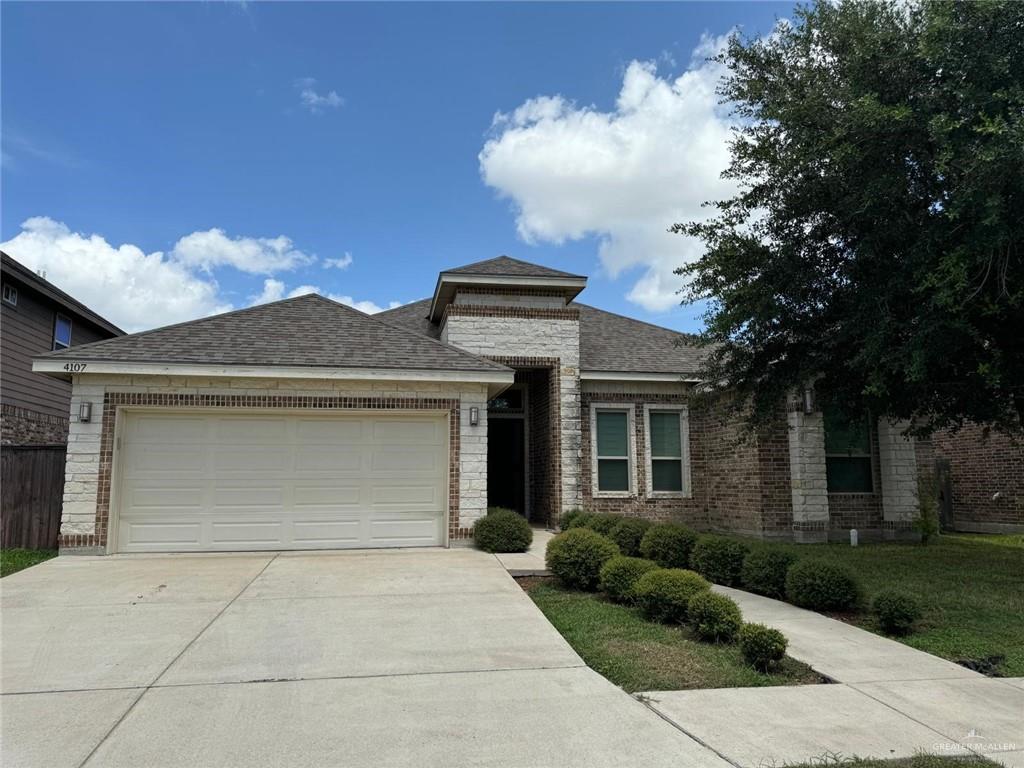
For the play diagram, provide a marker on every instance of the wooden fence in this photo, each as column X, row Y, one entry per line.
column 31, row 494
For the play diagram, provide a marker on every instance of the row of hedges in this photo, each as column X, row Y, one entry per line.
column 810, row 583
column 582, row 558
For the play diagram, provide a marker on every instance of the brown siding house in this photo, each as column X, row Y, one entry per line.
column 38, row 317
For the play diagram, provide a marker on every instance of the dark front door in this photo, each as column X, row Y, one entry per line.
column 506, row 468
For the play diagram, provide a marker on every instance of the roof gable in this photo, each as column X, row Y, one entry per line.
column 308, row 330
column 506, row 266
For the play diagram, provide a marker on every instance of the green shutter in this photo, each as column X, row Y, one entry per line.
column 612, row 437
column 665, row 434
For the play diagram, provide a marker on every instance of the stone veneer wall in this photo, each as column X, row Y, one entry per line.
column 21, row 426
column 690, row 511
column 519, row 337
column 897, row 477
column 89, row 458
column 987, row 471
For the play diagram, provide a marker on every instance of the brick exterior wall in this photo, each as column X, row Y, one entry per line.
column 509, row 297
column 987, row 472
column 21, row 426
column 687, row 510
column 86, row 511
column 543, row 440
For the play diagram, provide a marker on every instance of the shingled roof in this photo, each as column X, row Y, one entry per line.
column 608, row 342
column 506, row 266
column 307, row 330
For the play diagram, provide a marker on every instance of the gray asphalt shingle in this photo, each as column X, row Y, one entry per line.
column 506, row 266
column 309, row 330
column 608, row 342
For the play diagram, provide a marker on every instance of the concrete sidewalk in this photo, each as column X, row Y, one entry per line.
column 890, row 701
column 531, row 562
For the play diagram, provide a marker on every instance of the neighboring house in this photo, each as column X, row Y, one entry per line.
column 307, row 424
column 38, row 317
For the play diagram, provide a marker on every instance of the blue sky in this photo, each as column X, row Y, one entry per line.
column 163, row 161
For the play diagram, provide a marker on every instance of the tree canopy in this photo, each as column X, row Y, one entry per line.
column 875, row 244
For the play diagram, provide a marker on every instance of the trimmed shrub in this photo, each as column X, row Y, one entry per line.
column 668, row 544
column 502, row 530
column 620, row 574
column 627, row 533
column 576, row 556
column 821, row 586
column 566, row 522
column 896, row 611
column 718, row 559
column 714, row 617
column 664, row 594
column 602, row 522
column 764, row 571
column 579, row 520
column 762, row 647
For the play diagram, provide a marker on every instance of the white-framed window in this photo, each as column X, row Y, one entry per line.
column 10, row 294
column 667, row 450
column 61, row 332
column 612, row 448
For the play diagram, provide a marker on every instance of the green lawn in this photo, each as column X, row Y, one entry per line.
column 14, row 560
column 917, row 761
column 971, row 588
column 639, row 655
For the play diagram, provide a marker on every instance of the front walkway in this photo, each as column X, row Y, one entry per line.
column 890, row 700
column 530, row 562
column 386, row 658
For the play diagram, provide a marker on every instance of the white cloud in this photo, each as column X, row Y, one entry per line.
column 342, row 262
column 256, row 255
column 274, row 290
column 129, row 287
column 312, row 100
column 138, row 290
column 623, row 175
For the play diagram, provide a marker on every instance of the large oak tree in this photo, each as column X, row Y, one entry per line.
column 875, row 243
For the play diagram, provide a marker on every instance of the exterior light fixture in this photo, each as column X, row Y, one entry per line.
column 809, row 400
column 85, row 411
column 474, row 416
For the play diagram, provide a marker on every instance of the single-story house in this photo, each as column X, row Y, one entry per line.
column 306, row 424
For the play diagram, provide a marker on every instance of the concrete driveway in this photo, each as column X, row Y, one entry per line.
column 399, row 658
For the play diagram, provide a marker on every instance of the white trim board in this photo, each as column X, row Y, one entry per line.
column 636, row 376
column 56, row 367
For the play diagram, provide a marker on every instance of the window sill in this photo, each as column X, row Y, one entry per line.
column 614, row 495
column 669, row 495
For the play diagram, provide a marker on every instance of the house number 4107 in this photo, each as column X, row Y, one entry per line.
column 74, row 367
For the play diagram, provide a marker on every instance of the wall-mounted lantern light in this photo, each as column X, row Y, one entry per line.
column 474, row 416
column 809, row 400
column 84, row 411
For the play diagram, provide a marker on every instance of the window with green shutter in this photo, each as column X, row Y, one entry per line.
column 612, row 450
column 666, row 442
column 847, row 453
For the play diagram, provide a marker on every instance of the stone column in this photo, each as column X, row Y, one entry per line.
column 807, row 473
column 897, row 464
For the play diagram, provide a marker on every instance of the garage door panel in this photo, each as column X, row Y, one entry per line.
column 246, row 532
column 313, row 458
column 289, row 481
column 406, row 431
column 331, row 496
column 330, row 432
column 143, row 536
column 155, row 500
column 159, row 429
column 249, row 429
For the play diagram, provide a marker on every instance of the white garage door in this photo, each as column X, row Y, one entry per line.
column 200, row 481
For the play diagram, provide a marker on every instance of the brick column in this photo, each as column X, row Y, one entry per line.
column 807, row 474
column 897, row 464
